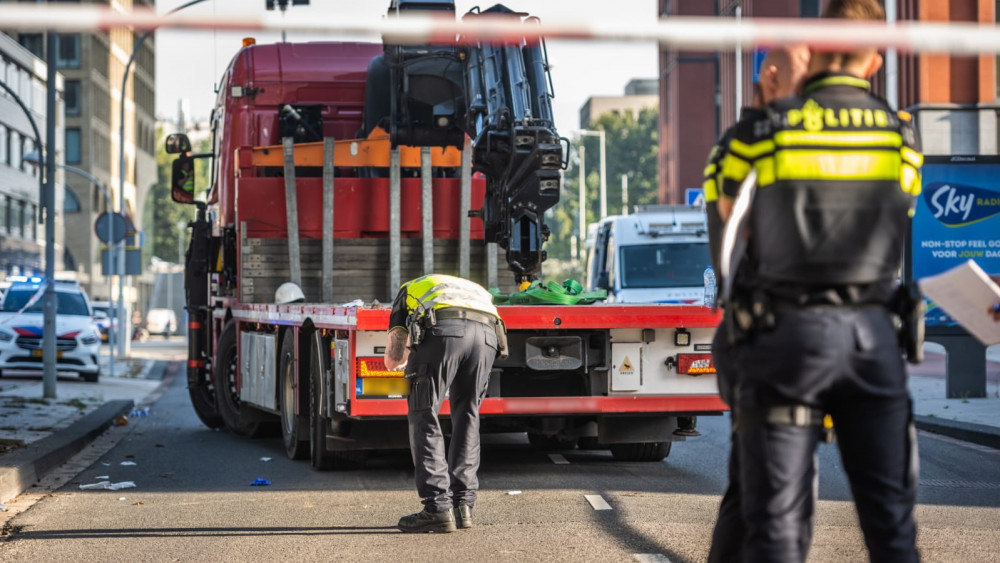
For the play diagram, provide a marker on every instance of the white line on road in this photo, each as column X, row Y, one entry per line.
column 597, row 502
column 558, row 459
column 650, row 558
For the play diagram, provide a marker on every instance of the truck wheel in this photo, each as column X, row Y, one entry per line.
column 641, row 451
column 227, row 396
column 203, row 401
column 294, row 427
column 547, row 443
column 319, row 361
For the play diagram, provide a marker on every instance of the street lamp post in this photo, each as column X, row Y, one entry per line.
column 35, row 159
column 599, row 133
column 582, row 221
column 48, row 313
column 123, row 319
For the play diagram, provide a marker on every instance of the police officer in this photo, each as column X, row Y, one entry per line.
column 781, row 75
column 446, row 332
column 837, row 174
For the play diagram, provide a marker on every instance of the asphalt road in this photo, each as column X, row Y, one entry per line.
column 193, row 501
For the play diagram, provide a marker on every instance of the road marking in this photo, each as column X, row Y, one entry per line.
column 650, row 558
column 957, row 442
column 558, row 459
column 597, row 502
column 956, row 484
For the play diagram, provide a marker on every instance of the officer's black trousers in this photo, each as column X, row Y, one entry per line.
column 844, row 361
column 727, row 538
column 455, row 357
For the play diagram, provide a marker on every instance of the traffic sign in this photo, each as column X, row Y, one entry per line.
column 119, row 227
column 694, row 196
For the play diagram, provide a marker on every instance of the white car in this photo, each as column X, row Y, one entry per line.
column 78, row 340
column 161, row 321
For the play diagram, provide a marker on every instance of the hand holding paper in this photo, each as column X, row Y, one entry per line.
column 965, row 292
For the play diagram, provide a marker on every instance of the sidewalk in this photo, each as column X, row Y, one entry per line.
column 38, row 435
column 973, row 420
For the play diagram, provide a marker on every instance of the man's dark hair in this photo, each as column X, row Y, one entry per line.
column 863, row 10
column 852, row 10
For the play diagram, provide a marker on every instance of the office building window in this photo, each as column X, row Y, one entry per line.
column 20, row 147
column 29, row 221
column 809, row 8
column 3, row 214
column 4, row 157
column 16, row 218
column 34, row 42
column 68, row 55
column 71, row 97
column 71, row 203
column 72, row 145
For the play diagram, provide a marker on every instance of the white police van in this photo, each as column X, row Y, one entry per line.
column 657, row 255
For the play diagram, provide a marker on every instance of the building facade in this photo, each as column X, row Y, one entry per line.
column 701, row 93
column 22, row 235
column 93, row 66
column 639, row 95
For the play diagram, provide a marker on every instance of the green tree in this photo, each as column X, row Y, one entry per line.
column 630, row 148
column 162, row 214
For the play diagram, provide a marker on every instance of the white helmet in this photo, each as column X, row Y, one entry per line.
column 287, row 293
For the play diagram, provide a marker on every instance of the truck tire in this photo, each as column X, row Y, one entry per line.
column 641, row 451
column 227, row 397
column 546, row 443
column 294, row 427
column 319, row 360
column 203, row 401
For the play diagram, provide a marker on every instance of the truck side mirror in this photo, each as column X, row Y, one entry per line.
column 178, row 143
column 182, row 179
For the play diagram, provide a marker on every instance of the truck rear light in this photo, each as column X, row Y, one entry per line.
column 375, row 367
column 375, row 381
column 695, row 364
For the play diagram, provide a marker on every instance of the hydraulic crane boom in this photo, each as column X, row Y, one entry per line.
column 500, row 96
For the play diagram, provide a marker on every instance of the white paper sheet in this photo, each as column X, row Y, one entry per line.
column 966, row 293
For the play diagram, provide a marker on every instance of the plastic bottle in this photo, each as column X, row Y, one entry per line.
column 709, row 286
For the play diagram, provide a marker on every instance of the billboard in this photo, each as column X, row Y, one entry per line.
column 957, row 219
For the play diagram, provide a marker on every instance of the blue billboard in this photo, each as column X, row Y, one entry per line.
column 957, row 219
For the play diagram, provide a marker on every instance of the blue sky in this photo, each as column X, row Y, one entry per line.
column 189, row 63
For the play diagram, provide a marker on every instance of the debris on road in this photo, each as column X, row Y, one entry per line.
column 109, row 485
column 260, row 482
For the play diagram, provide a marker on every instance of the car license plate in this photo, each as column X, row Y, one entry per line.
column 38, row 353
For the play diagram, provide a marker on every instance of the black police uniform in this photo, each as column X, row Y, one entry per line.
column 457, row 347
column 837, row 174
column 729, row 530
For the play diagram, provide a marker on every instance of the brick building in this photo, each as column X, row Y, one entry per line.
column 701, row 91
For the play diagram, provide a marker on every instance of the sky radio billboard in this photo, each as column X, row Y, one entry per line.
column 957, row 219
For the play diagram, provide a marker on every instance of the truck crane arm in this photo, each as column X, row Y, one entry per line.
column 499, row 94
